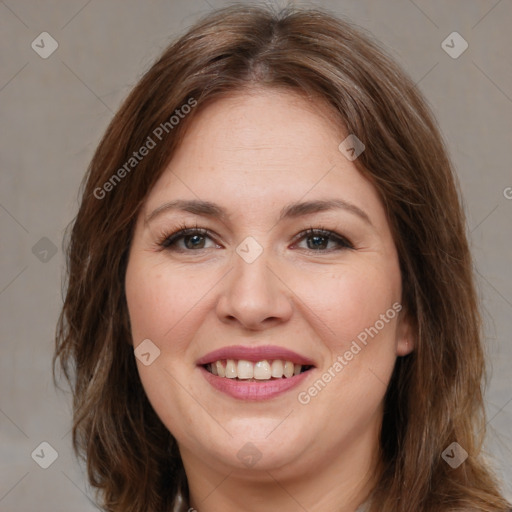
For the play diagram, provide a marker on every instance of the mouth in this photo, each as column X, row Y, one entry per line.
column 254, row 373
column 263, row 370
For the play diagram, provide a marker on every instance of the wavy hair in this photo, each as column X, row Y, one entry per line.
column 435, row 395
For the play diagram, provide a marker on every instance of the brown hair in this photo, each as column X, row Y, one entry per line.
column 435, row 394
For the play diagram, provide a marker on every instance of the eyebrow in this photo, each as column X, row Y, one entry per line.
column 292, row 210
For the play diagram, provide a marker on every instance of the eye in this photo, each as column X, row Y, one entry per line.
column 195, row 239
column 188, row 239
column 323, row 240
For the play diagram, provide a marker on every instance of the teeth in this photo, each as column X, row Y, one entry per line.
column 262, row 370
column 277, row 369
column 231, row 372
column 245, row 369
column 221, row 371
column 288, row 369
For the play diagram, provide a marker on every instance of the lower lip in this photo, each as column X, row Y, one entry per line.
column 244, row 390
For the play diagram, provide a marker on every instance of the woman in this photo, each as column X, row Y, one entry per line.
column 270, row 302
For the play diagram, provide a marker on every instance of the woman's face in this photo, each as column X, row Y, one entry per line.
column 288, row 264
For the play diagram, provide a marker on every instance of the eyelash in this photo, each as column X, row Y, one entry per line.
column 168, row 242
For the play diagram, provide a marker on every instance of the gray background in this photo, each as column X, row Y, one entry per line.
column 53, row 112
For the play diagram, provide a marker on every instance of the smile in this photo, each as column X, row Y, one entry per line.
column 254, row 373
column 259, row 371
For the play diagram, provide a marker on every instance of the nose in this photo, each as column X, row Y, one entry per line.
column 254, row 296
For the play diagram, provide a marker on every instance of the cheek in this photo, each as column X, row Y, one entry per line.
column 359, row 305
column 352, row 298
column 148, row 307
column 161, row 308
column 159, row 300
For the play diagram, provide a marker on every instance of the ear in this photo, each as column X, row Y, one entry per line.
column 405, row 334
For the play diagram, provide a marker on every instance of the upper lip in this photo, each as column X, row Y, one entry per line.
column 254, row 354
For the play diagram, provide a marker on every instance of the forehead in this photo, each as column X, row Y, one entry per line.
column 264, row 119
column 263, row 145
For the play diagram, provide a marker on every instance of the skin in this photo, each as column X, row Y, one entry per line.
column 252, row 153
